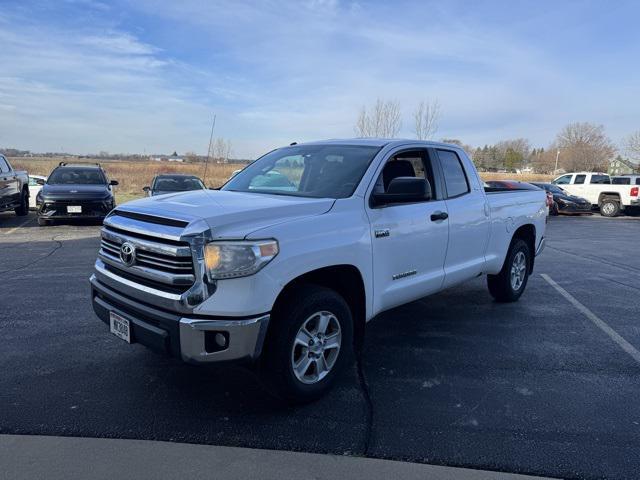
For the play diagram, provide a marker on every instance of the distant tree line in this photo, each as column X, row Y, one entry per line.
column 578, row 146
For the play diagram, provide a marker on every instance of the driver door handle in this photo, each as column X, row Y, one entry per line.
column 439, row 216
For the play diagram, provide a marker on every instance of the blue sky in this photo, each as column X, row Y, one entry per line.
column 89, row 75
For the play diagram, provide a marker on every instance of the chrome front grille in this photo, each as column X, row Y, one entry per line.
column 167, row 269
column 151, row 259
column 159, row 263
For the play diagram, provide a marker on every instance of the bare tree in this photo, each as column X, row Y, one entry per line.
column 221, row 150
column 227, row 150
column 631, row 144
column 584, row 146
column 426, row 118
column 382, row 120
column 362, row 124
column 544, row 161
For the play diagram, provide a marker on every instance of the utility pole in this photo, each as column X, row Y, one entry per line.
column 557, row 155
column 206, row 162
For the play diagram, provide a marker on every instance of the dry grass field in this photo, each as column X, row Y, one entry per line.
column 134, row 175
column 524, row 177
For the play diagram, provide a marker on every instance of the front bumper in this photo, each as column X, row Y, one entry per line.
column 193, row 338
column 575, row 208
column 57, row 209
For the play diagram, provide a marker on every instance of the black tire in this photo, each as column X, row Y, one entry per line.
column 286, row 321
column 500, row 285
column 23, row 209
column 43, row 222
column 609, row 208
column 554, row 210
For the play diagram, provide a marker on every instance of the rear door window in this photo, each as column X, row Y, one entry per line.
column 580, row 179
column 600, row 179
column 455, row 178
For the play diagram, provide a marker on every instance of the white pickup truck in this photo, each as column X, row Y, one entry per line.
column 284, row 265
column 597, row 188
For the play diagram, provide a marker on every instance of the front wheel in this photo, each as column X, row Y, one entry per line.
column 310, row 338
column 508, row 285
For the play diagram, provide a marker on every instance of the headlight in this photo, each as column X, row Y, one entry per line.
column 233, row 259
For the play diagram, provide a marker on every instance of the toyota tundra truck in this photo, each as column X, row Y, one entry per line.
column 284, row 265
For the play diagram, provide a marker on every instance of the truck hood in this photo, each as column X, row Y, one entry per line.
column 230, row 214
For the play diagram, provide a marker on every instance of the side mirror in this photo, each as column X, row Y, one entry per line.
column 40, row 181
column 404, row 190
column 113, row 182
column 146, row 189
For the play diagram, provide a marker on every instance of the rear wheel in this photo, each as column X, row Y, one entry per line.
column 609, row 208
column 309, row 341
column 23, row 209
column 508, row 285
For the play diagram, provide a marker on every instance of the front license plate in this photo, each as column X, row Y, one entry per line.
column 74, row 209
column 120, row 327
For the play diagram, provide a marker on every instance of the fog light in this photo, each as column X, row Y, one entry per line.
column 215, row 341
column 221, row 340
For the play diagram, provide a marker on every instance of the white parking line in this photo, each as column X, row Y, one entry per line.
column 601, row 324
column 18, row 226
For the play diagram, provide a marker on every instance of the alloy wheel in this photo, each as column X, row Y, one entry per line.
column 518, row 271
column 316, row 347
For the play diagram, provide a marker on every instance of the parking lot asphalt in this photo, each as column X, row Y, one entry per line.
column 535, row 387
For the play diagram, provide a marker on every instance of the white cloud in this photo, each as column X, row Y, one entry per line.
column 91, row 92
column 118, row 43
column 280, row 71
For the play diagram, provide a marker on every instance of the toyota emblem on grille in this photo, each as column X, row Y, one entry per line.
column 127, row 254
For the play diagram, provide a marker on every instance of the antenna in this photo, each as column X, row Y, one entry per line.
column 206, row 162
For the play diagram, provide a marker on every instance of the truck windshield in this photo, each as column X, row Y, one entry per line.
column 554, row 189
column 317, row 171
column 177, row 183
